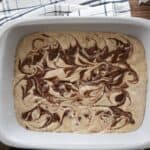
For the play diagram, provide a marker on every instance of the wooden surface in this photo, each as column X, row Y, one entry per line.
column 139, row 10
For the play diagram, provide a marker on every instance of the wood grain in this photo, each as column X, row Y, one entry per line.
column 139, row 10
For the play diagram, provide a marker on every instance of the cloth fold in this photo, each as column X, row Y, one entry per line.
column 14, row 9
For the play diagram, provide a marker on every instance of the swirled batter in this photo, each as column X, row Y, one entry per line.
column 80, row 82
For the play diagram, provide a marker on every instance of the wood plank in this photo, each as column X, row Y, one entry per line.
column 139, row 10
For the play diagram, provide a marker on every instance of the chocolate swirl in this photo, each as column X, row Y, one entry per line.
column 78, row 75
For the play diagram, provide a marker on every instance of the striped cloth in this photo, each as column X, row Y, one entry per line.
column 14, row 9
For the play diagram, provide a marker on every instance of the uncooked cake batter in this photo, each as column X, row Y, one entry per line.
column 80, row 82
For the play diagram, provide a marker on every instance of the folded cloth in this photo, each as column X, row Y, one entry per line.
column 16, row 9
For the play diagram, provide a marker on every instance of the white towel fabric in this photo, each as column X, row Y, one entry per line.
column 14, row 9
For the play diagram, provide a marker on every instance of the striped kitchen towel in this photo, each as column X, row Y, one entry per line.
column 14, row 9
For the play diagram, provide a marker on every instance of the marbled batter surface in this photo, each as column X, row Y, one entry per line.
column 80, row 82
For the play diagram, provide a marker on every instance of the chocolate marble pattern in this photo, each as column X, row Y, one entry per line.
column 77, row 82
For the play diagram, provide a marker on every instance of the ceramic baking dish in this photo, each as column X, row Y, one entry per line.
column 11, row 133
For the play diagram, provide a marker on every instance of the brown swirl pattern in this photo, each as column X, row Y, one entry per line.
column 69, row 83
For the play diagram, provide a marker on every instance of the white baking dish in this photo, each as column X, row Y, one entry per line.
column 11, row 133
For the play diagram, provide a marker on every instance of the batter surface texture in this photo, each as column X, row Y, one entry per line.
column 83, row 82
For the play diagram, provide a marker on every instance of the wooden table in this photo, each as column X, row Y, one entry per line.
column 139, row 11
